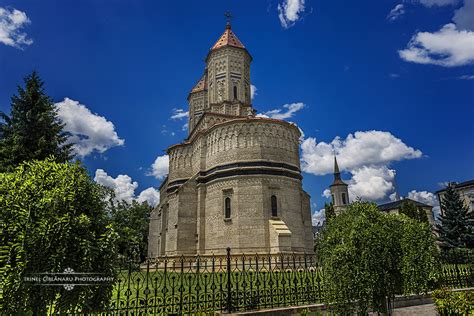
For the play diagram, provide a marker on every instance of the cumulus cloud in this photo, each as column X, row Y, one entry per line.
column 88, row 131
column 290, row 11
column 253, row 91
column 123, row 185
column 150, row 195
column 160, row 168
column 365, row 155
column 179, row 114
column 427, row 198
column 447, row 47
column 396, row 12
column 464, row 16
column 12, row 22
column 124, row 188
column 286, row 112
column 355, row 151
column 318, row 217
column 371, row 183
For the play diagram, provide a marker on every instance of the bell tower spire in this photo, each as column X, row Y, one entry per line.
column 339, row 190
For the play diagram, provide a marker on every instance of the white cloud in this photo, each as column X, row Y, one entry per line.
column 366, row 155
column 371, row 183
column 466, row 77
column 286, row 112
column 289, row 12
column 394, row 196
column 151, row 195
column 327, row 193
column 396, row 12
column 438, row 3
column 11, row 23
column 447, row 47
column 88, row 131
column 427, row 198
column 160, row 168
column 179, row 114
column 318, row 217
column 253, row 91
column 464, row 16
column 124, row 188
column 123, row 185
column 357, row 150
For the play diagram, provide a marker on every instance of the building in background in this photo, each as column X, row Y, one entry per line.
column 236, row 180
column 465, row 190
column 339, row 191
column 395, row 206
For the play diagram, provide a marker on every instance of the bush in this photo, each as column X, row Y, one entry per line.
column 458, row 255
column 454, row 303
column 367, row 255
column 52, row 217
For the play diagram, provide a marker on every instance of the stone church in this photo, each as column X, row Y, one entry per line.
column 235, row 181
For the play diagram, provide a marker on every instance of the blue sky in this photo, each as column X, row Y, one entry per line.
column 398, row 72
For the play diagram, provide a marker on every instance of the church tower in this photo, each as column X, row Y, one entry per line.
column 339, row 191
column 225, row 85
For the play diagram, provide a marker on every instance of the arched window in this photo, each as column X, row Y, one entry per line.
column 333, row 200
column 227, row 209
column 235, row 92
column 274, row 206
column 344, row 201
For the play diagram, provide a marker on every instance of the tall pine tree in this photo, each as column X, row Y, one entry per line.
column 456, row 229
column 33, row 130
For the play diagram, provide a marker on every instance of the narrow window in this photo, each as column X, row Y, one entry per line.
column 227, row 207
column 235, row 92
column 344, row 202
column 274, row 206
column 333, row 200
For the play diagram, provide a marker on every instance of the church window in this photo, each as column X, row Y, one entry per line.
column 344, row 201
column 235, row 92
column 333, row 200
column 227, row 210
column 274, row 206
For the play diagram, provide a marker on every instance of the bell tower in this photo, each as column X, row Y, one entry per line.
column 339, row 191
column 225, row 85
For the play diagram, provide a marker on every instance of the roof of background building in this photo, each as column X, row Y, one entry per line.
column 397, row 204
column 459, row 185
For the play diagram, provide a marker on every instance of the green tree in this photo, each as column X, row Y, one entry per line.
column 367, row 255
column 410, row 209
column 456, row 227
column 53, row 216
column 130, row 221
column 33, row 130
column 329, row 211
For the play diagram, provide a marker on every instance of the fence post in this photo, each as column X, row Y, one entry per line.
column 229, row 284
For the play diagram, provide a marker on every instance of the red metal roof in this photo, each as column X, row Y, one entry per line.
column 228, row 39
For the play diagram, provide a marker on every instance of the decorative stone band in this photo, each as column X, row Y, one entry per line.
column 242, row 169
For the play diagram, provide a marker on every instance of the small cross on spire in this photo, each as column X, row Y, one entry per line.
column 228, row 17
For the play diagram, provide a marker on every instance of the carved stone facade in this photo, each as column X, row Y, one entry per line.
column 236, row 180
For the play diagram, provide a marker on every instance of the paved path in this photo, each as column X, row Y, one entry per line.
column 420, row 310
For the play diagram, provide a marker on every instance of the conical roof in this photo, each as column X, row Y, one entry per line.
column 201, row 85
column 337, row 174
column 228, row 39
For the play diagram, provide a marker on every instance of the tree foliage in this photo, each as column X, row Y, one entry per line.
column 367, row 255
column 53, row 217
column 33, row 130
column 329, row 211
column 130, row 221
column 456, row 227
column 409, row 209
